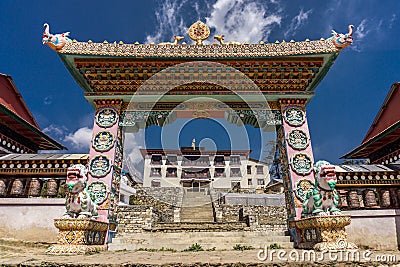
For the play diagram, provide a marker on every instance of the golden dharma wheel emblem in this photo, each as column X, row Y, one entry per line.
column 199, row 32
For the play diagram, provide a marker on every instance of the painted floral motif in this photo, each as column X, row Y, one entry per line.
column 297, row 139
column 294, row 116
column 301, row 164
column 106, row 117
column 100, row 166
column 103, row 141
column 302, row 188
column 98, row 191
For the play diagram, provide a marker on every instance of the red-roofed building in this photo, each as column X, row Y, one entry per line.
column 19, row 131
column 381, row 144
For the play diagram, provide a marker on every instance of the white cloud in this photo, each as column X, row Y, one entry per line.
column 80, row 139
column 169, row 21
column 360, row 34
column 48, row 100
column 297, row 22
column 56, row 131
column 243, row 21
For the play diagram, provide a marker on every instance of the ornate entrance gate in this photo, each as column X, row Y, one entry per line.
column 138, row 85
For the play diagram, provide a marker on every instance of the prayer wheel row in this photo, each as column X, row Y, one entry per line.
column 369, row 198
column 29, row 187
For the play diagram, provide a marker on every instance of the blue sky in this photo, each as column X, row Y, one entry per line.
column 340, row 114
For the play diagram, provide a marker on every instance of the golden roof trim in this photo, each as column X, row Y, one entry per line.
column 200, row 51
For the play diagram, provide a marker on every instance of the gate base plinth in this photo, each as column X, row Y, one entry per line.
column 324, row 233
column 79, row 236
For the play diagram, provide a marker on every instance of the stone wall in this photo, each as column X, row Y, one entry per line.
column 167, row 201
column 133, row 219
column 158, row 196
column 255, row 209
column 263, row 214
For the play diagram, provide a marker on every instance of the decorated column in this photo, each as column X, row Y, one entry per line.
column 296, row 154
column 105, row 162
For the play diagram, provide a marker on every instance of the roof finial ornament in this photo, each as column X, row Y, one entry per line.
column 54, row 41
column 342, row 40
column 194, row 144
column 199, row 32
column 177, row 39
column 220, row 39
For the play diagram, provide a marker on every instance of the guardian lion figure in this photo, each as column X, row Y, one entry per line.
column 79, row 203
column 323, row 198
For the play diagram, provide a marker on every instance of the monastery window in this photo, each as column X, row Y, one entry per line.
column 172, row 160
column 248, row 169
column 260, row 169
column 219, row 161
column 219, row 172
column 155, row 172
column 249, row 181
column 235, row 160
column 171, row 172
column 196, row 173
column 156, row 159
column 260, row 182
column 195, row 161
column 235, row 172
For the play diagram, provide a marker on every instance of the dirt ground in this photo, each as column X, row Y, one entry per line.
column 20, row 253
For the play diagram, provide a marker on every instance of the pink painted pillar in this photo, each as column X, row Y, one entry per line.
column 105, row 160
column 297, row 158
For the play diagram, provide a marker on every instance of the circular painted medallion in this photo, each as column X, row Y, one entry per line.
column 302, row 187
column 297, row 139
column 294, row 116
column 301, row 164
column 98, row 192
column 199, row 31
column 103, row 141
column 99, row 166
column 106, row 117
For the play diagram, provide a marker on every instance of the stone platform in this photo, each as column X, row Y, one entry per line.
column 220, row 240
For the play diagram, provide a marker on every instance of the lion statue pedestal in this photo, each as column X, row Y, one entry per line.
column 79, row 232
column 322, row 226
column 79, row 236
column 324, row 233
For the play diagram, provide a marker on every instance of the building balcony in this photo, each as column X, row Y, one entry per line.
column 196, row 163
column 196, row 175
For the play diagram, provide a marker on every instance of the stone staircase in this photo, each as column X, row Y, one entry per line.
column 197, row 226
column 196, row 208
column 221, row 240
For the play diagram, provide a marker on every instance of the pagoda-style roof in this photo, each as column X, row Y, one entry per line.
column 17, row 122
column 385, row 128
column 281, row 69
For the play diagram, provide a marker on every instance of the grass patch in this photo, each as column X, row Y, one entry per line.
column 274, row 246
column 155, row 249
column 194, row 248
column 242, row 247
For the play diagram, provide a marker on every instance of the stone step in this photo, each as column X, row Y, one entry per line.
column 198, row 226
column 208, row 240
